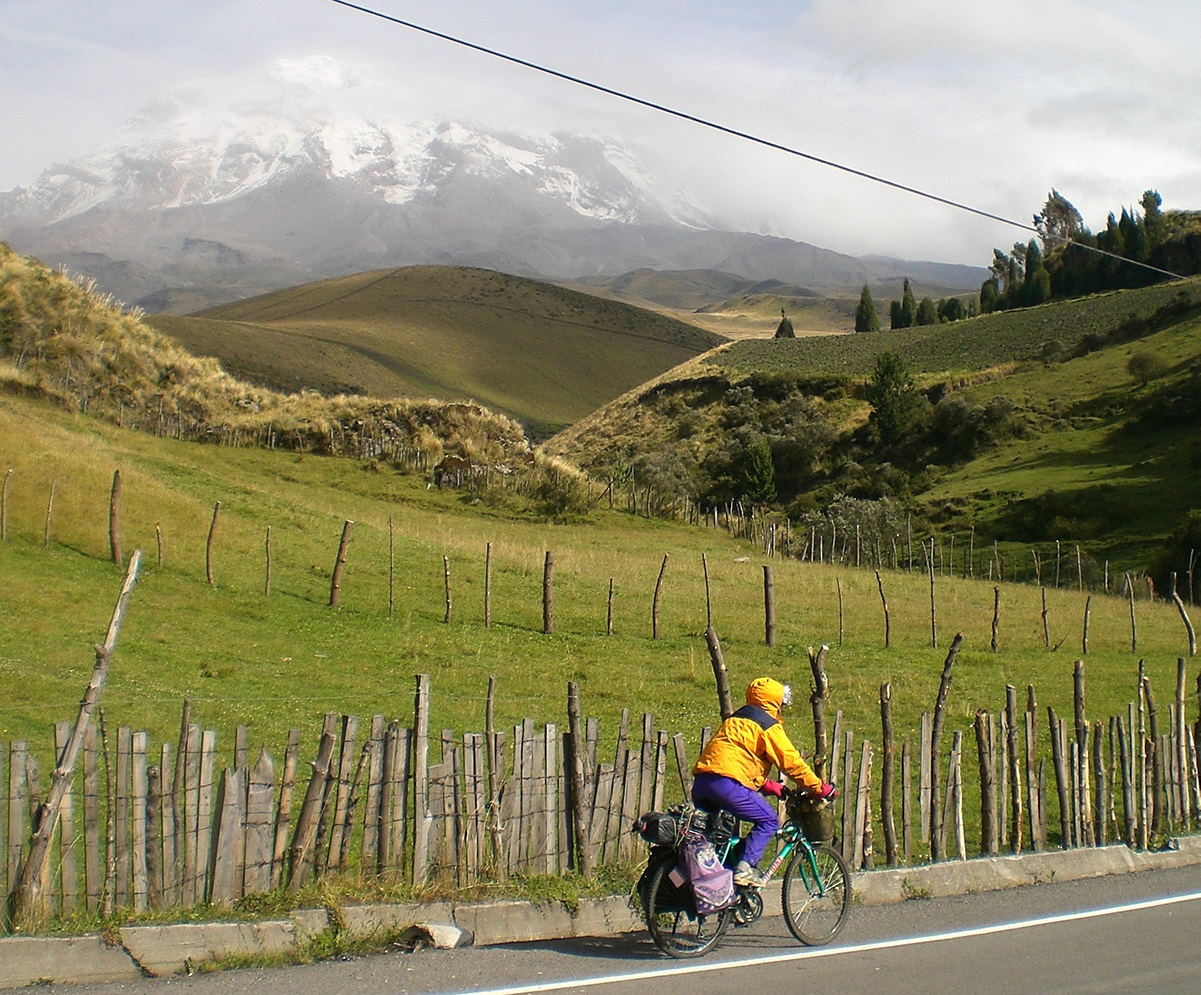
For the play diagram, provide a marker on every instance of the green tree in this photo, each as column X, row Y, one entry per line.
column 1036, row 285
column 951, row 309
column 866, row 318
column 784, row 330
column 990, row 297
column 927, row 312
column 1059, row 221
column 1153, row 220
column 892, row 395
column 1134, row 236
column 908, row 306
column 759, row 477
column 894, row 314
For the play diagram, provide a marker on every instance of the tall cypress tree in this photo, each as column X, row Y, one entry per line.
column 866, row 317
column 1036, row 287
column 759, row 480
column 908, row 306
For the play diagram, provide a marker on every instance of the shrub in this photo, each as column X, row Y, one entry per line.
column 1145, row 366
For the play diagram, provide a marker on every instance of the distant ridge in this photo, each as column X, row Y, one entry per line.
column 541, row 353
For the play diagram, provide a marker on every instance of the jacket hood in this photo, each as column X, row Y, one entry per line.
column 767, row 694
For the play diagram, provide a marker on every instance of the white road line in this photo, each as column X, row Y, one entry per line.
column 808, row 954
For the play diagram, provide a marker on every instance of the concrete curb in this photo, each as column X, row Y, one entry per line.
column 166, row 950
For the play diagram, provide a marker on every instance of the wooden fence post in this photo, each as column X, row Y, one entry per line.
column 208, row 546
column 1015, row 768
column 446, row 588
column 548, row 593
column 817, row 700
column 307, row 825
column 886, row 772
column 769, row 607
column 1088, row 604
column 1083, row 769
column 4, row 506
column 937, row 840
column 421, row 780
column 655, row 600
column 933, row 605
column 49, row 513
column 906, row 803
column 488, row 586
column 609, row 612
column 114, row 520
column 719, row 673
column 28, row 898
column 887, row 619
column 585, row 861
column 1188, row 626
column 1133, row 624
column 1059, row 761
column 988, row 784
column 335, row 584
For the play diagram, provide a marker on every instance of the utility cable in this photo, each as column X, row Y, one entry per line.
column 736, row 133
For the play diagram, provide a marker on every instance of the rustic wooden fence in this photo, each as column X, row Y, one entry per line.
column 144, row 827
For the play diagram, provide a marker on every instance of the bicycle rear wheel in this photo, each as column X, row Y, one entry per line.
column 672, row 920
column 816, row 907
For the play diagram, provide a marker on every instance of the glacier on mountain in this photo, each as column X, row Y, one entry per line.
column 322, row 117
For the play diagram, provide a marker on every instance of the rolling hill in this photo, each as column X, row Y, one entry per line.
column 1030, row 426
column 736, row 307
column 540, row 353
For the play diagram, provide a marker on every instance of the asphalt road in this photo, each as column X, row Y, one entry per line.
column 1125, row 933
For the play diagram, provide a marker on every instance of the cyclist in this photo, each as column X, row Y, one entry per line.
column 734, row 765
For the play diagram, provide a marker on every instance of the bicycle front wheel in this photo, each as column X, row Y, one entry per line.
column 672, row 920
column 816, row 904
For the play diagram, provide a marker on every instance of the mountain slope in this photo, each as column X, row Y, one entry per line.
column 1029, row 427
column 240, row 186
column 538, row 352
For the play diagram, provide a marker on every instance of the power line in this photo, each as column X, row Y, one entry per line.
column 734, row 132
column 684, row 115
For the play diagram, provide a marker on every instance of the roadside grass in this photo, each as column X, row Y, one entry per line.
column 277, row 662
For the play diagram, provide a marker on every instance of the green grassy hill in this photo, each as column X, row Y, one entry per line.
column 1078, row 450
column 540, row 353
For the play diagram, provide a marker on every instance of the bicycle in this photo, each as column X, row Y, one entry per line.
column 816, row 892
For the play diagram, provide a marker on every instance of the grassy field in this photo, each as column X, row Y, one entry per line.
column 1089, row 455
column 282, row 661
column 543, row 354
column 963, row 347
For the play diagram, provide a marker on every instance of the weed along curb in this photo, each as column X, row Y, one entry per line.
column 165, row 950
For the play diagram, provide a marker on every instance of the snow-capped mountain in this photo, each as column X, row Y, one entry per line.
column 319, row 117
column 311, row 169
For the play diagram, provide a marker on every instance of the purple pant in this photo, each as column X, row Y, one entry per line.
column 718, row 791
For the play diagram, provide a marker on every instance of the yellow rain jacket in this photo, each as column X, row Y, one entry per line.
column 751, row 741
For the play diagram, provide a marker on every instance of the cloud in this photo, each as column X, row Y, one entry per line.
column 988, row 104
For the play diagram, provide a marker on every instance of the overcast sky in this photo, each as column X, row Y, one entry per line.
column 986, row 104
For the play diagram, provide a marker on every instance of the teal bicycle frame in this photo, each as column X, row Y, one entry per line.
column 791, row 837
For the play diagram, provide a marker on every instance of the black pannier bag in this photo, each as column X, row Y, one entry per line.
column 658, row 828
column 721, row 826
